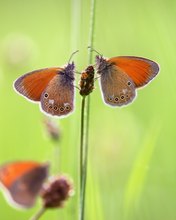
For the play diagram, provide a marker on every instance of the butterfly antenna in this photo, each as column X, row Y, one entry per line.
column 77, row 87
column 77, row 72
column 98, row 77
column 72, row 55
column 92, row 49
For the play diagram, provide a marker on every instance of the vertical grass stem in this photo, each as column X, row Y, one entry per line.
column 38, row 214
column 85, row 112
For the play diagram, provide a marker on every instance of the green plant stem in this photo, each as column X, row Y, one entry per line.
column 82, row 140
column 92, row 29
column 82, row 146
column 85, row 157
column 85, row 109
column 38, row 214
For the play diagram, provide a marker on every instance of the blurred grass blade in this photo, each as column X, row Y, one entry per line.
column 75, row 24
column 94, row 204
column 138, row 174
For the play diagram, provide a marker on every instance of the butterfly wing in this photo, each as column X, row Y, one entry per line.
column 23, row 181
column 117, row 87
column 140, row 70
column 58, row 97
column 25, row 190
column 31, row 85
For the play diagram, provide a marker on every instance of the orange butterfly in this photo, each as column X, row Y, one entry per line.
column 22, row 181
column 121, row 76
column 52, row 87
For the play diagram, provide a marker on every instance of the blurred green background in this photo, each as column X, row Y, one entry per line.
column 132, row 168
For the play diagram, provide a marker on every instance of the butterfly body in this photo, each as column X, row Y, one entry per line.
column 52, row 87
column 120, row 76
column 23, row 181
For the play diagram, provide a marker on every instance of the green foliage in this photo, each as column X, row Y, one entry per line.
column 132, row 172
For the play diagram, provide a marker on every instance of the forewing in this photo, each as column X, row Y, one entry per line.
column 31, row 85
column 13, row 170
column 140, row 70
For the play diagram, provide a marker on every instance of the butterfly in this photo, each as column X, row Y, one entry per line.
column 22, row 181
column 87, row 81
column 52, row 87
column 121, row 76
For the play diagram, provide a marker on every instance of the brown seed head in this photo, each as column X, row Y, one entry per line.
column 56, row 192
column 87, row 81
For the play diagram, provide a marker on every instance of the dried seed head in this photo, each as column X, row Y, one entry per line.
column 56, row 192
column 86, row 83
column 52, row 129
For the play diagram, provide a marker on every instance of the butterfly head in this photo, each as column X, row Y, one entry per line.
column 70, row 67
column 101, row 64
column 68, row 72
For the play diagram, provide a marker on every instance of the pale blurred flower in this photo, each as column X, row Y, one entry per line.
column 52, row 129
column 18, row 49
